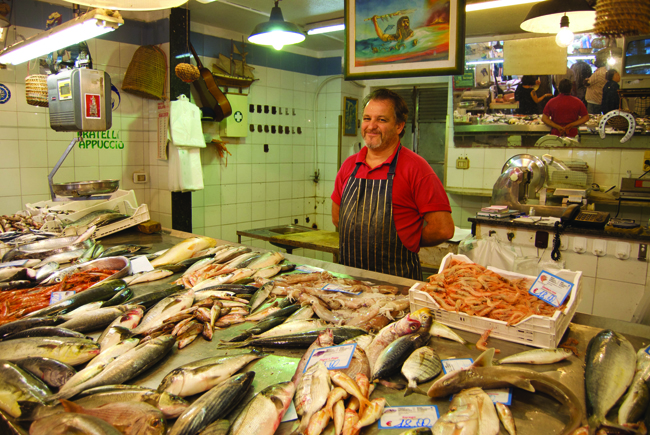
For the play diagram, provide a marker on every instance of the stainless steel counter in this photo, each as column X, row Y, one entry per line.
column 534, row 413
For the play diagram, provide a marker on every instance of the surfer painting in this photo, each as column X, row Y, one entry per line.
column 386, row 36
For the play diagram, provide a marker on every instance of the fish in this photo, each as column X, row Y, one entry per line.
column 54, row 373
column 260, row 295
column 338, row 415
column 311, row 393
column 149, row 276
column 115, row 334
column 304, row 339
column 128, row 320
column 62, row 257
column 127, row 365
column 96, row 319
column 291, row 328
column 439, row 330
column 324, row 338
column 537, row 356
column 45, row 331
column 12, row 273
column 342, row 380
column 89, row 218
column 82, row 376
column 505, row 415
column 165, row 309
column 215, row 404
column 118, row 250
column 637, row 398
column 610, row 364
column 202, row 375
column 483, row 374
column 263, row 413
column 318, row 422
column 16, row 285
column 267, row 272
column 471, row 411
column 45, row 270
column 336, row 394
column 68, row 350
column 351, row 419
column 71, row 423
column 109, row 354
column 119, row 298
column 28, row 323
column 359, row 362
column 17, row 387
column 242, row 260
column 265, row 260
column 184, row 250
column 130, row 418
column 421, row 366
column 82, row 309
column 45, row 248
column 150, row 299
column 282, row 312
column 219, row 427
column 372, row 413
column 304, row 313
column 391, row 359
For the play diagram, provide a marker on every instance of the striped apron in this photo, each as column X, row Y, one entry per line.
column 367, row 235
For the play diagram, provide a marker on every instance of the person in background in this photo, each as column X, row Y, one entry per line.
column 611, row 99
column 387, row 201
column 595, row 83
column 569, row 75
column 582, row 71
column 564, row 112
column 545, row 87
column 527, row 96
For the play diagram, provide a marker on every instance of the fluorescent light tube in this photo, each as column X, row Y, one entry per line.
column 326, row 29
column 496, row 4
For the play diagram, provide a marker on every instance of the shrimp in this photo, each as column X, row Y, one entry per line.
column 481, row 344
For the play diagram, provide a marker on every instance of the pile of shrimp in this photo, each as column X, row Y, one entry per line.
column 471, row 288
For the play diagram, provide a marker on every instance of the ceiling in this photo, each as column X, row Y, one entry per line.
column 242, row 16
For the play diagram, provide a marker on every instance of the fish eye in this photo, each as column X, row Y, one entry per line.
column 413, row 327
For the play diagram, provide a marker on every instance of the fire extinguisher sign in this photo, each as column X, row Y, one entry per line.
column 93, row 106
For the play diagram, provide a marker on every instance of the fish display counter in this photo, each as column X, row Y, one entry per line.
column 543, row 398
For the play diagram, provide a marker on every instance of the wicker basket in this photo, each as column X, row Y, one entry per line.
column 618, row 122
column 187, row 72
column 146, row 75
column 622, row 17
column 36, row 90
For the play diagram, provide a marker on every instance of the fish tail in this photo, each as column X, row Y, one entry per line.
column 70, row 406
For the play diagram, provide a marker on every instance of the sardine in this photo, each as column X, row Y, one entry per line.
column 18, row 386
column 128, row 418
column 69, row 422
column 421, row 366
column 69, row 350
column 184, row 250
column 537, row 356
column 263, row 413
column 213, row 405
column 54, row 373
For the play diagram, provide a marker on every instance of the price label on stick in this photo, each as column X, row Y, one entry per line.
column 453, row 365
column 401, row 417
column 551, row 288
column 334, row 357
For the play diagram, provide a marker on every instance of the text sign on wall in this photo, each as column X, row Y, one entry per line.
column 109, row 139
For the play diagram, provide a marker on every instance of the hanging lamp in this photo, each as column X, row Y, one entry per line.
column 276, row 32
column 130, row 5
column 555, row 16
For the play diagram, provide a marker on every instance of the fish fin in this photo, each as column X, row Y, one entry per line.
column 521, row 383
column 484, row 359
column 413, row 388
column 393, row 385
column 71, row 406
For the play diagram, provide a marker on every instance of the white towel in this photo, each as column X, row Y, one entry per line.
column 185, row 170
column 185, row 123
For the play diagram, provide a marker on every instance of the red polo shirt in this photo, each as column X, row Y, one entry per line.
column 417, row 190
column 563, row 110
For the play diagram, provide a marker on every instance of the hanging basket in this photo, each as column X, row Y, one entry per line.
column 146, row 75
column 36, row 90
column 622, row 17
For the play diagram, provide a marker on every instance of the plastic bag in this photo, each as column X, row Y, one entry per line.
column 489, row 251
column 185, row 170
column 185, row 124
column 533, row 266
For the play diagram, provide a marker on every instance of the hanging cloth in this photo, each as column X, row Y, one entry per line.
column 185, row 170
column 368, row 237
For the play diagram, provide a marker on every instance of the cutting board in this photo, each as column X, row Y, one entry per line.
column 326, row 241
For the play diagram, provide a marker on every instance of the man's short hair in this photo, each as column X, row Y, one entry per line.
column 529, row 80
column 399, row 105
column 610, row 74
column 565, row 86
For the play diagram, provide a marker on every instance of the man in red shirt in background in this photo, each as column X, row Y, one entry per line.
column 384, row 195
column 564, row 112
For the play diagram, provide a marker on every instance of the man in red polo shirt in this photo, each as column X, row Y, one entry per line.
column 384, row 195
column 564, row 112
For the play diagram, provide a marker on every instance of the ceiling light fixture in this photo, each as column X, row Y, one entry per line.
column 545, row 16
column 87, row 26
column 564, row 37
column 496, row 4
column 276, row 32
column 130, row 5
column 325, row 26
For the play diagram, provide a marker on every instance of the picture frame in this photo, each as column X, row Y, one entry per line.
column 404, row 38
column 350, row 114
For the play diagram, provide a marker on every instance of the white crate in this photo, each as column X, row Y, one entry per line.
column 538, row 331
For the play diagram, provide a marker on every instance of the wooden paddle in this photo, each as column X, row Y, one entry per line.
column 209, row 93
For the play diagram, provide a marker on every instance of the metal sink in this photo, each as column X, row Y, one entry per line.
column 290, row 229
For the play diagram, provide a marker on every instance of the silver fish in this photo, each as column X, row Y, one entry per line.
column 311, row 393
column 635, row 401
column 114, row 335
column 266, row 260
column 439, row 330
column 304, row 313
column 114, row 351
column 96, row 319
column 184, row 250
column 17, row 386
column 537, row 356
column 165, row 309
column 62, row 258
column 44, row 248
column 69, row 350
column 54, row 373
column 261, row 294
column 262, row 415
column 129, row 320
column 82, row 376
column 292, row 328
column 69, row 422
column 471, row 408
column 46, row 270
column 421, row 366
column 506, row 418
column 153, row 275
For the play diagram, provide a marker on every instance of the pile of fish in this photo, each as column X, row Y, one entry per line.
column 18, row 223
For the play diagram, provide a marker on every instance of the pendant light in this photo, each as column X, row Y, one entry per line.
column 554, row 16
column 130, row 5
column 276, row 32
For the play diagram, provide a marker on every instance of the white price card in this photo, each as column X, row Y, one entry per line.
column 334, row 357
column 453, row 365
column 305, row 268
column 291, row 413
column 500, row 395
column 551, row 288
column 403, row 417
column 140, row 264
column 59, row 296
column 339, row 289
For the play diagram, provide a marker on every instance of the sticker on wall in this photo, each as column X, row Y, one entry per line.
column 5, row 94
column 238, row 116
column 115, row 96
column 93, row 104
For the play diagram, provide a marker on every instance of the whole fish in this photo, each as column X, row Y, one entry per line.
column 304, row 339
column 82, row 309
column 87, row 220
column 243, row 259
column 129, row 418
column 637, row 398
column 96, row 319
column 119, row 298
column 114, row 335
column 82, row 376
column 304, row 313
column 260, row 295
column 149, row 276
column 439, row 330
column 311, row 393
column 336, row 395
column 114, row 351
column 45, row 270
column 184, row 250
column 282, row 312
column 372, row 413
column 267, row 272
column 18, row 386
column 129, row 320
column 54, row 373
column 71, row 423
column 483, row 374
column 421, row 366
column 219, row 427
column 263, row 413
column 537, row 356
column 150, row 299
column 391, row 359
column 610, row 363
column 342, row 380
column 291, row 328
column 506, row 417
column 214, row 405
column 338, row 415
column 62, row 257
column 28, row 323
column 68, row 350
column 197, row 263
column 127, row 365
column 351, row 419
column 121, row 250
column 265, row 260
column 204, row 374
column 318, row 421
column 470, row 411
column 324, row 338
column 258, row 328
column 45, row 331
column 45, row 248
column 162, row 311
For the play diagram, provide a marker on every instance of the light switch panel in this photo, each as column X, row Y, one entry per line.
column 579, row 245
column 599, row 248
column 622, row 250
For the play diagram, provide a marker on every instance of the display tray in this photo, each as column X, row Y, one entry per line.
column 537, row 331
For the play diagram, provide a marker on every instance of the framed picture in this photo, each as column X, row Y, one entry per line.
column 350, row 109
column 404, row 38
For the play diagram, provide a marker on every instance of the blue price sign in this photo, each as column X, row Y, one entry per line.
column 406, row 417
column 551, row 288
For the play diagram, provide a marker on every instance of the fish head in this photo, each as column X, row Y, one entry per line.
column 173, row 382
column 326, row 338
column 408, row 324
column 171, row 405
column 148, row 423
column 280, row 394
column 451, row 383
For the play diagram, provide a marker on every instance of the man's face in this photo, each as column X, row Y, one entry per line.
column 406, row 23
column 379, row 128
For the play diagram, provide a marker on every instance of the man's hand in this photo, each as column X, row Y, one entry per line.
column 439, row 228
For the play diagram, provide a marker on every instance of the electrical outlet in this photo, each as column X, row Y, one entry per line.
column 646, row 161
column 462, row 163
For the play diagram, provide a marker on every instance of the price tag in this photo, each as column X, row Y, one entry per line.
column 140, row 264
column 647, row 350
column 500, row 395
column 339, row 289
column 291, row 413
column 453, row 365
column 305, row 268
column 334, row 357
column 401, row 417
column 59, row 296
column 550, row 288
